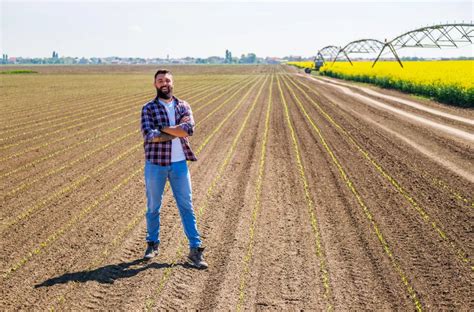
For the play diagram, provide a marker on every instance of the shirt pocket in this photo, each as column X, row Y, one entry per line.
column 161, row 121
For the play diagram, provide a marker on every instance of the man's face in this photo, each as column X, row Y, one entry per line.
column 164, row 86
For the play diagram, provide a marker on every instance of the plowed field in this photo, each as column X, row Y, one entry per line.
column 311, row 194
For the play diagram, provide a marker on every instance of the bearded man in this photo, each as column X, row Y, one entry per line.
column 166, row 124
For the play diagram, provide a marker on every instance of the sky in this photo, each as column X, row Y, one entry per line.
column 177, row 29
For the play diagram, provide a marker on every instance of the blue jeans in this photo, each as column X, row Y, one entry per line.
column 180, row 181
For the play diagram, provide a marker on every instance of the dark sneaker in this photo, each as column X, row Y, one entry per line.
column 196, row 258
column 151, row 250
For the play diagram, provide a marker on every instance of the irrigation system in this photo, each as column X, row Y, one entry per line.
column 436, row 36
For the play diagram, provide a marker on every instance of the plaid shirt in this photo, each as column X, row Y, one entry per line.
column 155, row 118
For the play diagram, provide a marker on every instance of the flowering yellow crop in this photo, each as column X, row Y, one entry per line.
column 308, row 64
column 446, row 81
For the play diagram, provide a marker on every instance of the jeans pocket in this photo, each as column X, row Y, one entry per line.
column 180, row 168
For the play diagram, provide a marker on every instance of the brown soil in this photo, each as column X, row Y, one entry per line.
column 351, row 217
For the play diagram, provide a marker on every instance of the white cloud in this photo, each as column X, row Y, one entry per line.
column 135, row 29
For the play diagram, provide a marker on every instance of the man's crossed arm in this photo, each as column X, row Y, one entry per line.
column 163, row 137
column 170, row 133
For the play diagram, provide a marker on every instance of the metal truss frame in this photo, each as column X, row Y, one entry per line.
column 328, row 52
column 436, row 36
column 360, row 46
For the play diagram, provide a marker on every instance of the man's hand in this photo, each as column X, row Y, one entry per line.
column 163, row 137
column 176, row 131
column 185, row 119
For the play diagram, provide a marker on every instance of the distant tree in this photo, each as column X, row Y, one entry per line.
column 215, row 60
column 228, row 57
column 251, row 58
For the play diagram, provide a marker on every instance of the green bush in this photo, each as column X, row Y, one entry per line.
column 19, row 71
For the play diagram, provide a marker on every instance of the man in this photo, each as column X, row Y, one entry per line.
column 166, row 123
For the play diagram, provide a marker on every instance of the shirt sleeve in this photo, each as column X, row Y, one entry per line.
column 187, row 126
column 148, row 132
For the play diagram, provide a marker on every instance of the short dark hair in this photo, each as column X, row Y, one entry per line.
column 163, row 72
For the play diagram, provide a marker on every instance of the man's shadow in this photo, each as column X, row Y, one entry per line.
column 109, row 273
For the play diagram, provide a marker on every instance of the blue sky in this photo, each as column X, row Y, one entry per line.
column 201, row 29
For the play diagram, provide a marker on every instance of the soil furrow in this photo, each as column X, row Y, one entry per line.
column 307, row 198
column 412, row 244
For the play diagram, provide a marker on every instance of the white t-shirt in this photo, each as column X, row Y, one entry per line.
column 177, row 153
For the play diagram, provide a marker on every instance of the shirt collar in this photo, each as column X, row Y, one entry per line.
column 172, row 103
column 175, row 100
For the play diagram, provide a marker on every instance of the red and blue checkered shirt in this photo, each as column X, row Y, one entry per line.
column 154, row 118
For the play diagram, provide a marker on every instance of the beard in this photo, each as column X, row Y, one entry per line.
column 165, row 92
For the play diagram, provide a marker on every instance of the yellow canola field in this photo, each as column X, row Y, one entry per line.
column 450, row 82
column 306, row 64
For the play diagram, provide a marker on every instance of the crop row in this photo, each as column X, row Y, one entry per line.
column 257, row 203
column 53, row 237
column 425, row 217
column 77, row 182
column 202, row 207
column 67, row 136
column 135, row 220
column 86, row 112
column 351, row 186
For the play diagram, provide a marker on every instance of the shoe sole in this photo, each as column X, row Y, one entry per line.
column 194, row 265
column 149, row 257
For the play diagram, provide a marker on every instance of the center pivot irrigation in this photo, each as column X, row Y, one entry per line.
column 440, row 36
